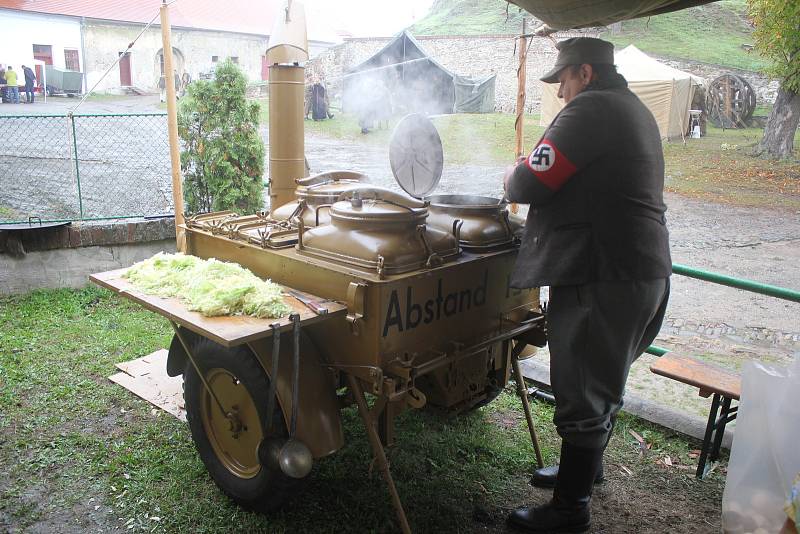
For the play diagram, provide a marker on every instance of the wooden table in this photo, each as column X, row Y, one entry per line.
column 229, row 330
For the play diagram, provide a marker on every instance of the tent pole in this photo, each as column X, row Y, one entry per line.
column 172, row 126
column 521, row 75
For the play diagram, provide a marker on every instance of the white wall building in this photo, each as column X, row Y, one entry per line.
column 24, row 37
column 90, row 35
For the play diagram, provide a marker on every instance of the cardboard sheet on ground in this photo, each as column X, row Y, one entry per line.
column 147, row 378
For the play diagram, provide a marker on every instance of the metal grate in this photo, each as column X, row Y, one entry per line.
column 84, row 167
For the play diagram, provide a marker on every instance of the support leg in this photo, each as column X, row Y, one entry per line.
column 377, row 448
column 712, row 418
column 386, row 423
column 523, row 395
column 719, row 432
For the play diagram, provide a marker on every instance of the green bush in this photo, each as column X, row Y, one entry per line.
column 222, row 159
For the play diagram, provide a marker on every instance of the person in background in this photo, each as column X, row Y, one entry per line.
column 596, row 234
column 3, row 84
column 162, row 88
column 13, row 87
column 186, row 79
column 30, row 78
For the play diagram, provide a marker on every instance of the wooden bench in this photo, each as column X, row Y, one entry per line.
column 710, row 379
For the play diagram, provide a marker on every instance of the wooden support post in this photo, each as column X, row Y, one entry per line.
column 526, row 407
column 172, row 126
column 377, row 448
column 521, row 76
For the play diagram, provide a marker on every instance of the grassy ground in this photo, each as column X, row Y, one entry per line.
column 80, row 453
column 486, row 138
column 719, row 168
column 712, row 33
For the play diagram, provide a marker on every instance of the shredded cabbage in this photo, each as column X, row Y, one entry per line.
column 210, row 287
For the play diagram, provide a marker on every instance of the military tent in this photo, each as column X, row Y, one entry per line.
column 666, row 91
column 413, row 81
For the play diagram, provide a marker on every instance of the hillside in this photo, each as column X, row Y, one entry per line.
column 713, row 33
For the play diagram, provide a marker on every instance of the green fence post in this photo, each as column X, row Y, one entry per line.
column 77, row 166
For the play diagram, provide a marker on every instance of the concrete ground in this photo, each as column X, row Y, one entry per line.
column 94, row 104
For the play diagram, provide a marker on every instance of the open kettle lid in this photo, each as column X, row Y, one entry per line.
column 415, row 155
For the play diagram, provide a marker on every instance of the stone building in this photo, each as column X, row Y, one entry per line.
column 89, row 36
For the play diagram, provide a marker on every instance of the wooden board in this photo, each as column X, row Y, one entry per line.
column 147, row 378
column 226, row 330
column 705, row 376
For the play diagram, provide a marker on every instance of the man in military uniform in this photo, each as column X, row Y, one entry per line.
column 596, row 234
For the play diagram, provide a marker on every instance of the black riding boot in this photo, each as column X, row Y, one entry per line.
column 569, row 510
column 545, row 477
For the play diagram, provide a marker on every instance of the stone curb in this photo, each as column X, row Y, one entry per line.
column 77, row 235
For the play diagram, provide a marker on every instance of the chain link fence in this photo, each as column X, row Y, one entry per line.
column 84, row 167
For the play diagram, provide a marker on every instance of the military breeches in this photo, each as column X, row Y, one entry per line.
column 596, row 331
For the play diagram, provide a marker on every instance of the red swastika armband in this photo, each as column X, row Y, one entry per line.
column 549, row 165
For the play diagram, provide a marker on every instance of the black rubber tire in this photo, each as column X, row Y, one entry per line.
column 269, row 489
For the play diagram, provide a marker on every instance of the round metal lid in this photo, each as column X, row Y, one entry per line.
column 379, row 205
column 415, row 154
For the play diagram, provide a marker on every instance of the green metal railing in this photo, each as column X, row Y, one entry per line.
column 739, row 283
column 84, row 167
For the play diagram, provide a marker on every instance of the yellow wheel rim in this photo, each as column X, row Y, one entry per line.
column 235, row 442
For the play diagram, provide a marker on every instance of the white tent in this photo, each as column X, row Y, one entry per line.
column 666, row 91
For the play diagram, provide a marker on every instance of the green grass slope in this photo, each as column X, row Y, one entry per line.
column 713, row 33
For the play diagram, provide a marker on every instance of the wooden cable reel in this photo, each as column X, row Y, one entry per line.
column 730, row 101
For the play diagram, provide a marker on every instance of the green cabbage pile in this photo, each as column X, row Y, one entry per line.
column 210, row 287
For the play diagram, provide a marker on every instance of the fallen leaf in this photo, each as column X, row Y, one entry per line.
column 626, row 470
column 694, row 454
column 639, row 438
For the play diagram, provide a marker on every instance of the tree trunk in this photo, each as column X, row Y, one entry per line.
column 778, row 140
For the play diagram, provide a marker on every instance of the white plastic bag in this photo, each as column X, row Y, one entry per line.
column 765, row 456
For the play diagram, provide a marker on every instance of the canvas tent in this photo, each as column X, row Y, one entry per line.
column 414, row 82
column 666, row 91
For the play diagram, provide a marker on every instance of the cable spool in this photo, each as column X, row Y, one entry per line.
column 730, row 102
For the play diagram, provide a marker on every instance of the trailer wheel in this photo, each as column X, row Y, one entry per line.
column 228, row 447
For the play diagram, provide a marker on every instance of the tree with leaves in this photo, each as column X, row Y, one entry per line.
column 777, row 37
column 222, row 159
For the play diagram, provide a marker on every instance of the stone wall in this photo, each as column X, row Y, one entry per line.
column 482, row 55
column 766, row 89
column 65, row 256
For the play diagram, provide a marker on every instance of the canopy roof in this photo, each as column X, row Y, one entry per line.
column 566, row 14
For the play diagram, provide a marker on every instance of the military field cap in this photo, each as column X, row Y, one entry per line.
column 577, row 51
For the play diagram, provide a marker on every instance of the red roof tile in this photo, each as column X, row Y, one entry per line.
column 244, row 16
